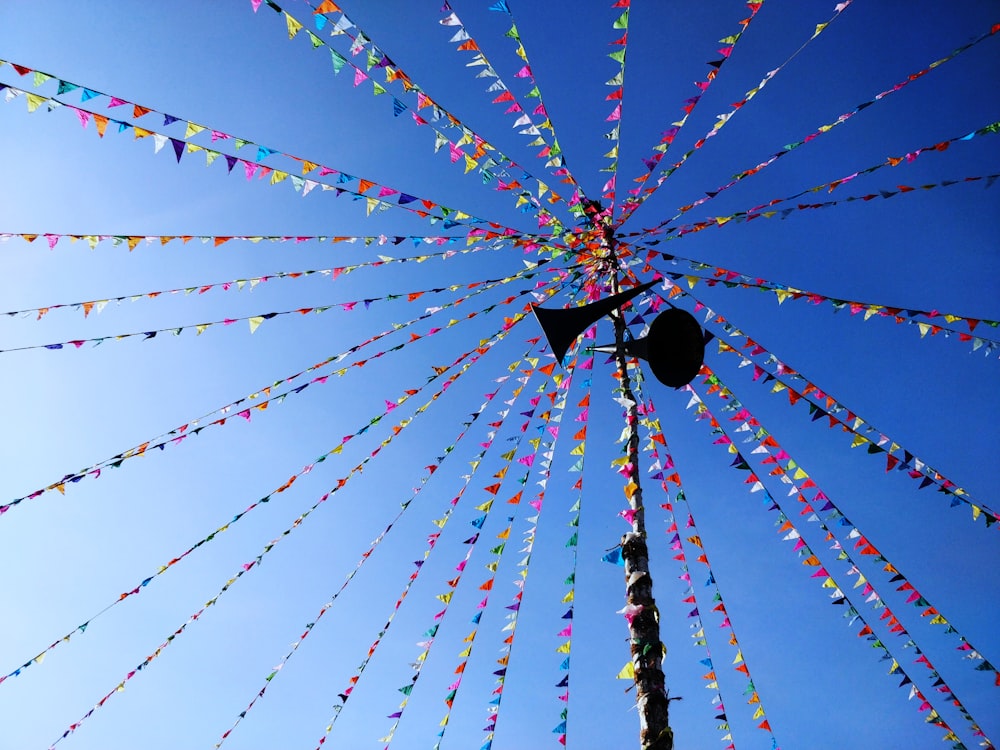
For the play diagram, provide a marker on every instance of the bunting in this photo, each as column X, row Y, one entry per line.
column 371, row 548
column 380, row 198
column 473, row 355
column 548, row 145
column 194, row 427
column 578, row 456
column 759, row 212
column 550, row 151
column 137, row 240
column 663, row 470
column 838, row 415
column 486, row 159
column 486, row 586
column 636, row 195
column 254, row 321
column 583, row 263
column 791, row 534
column 763, row 211
column 617, row 83
column 790, row 473
column 545, row 450
column 892, row 161
column 97, row 306
column 821, row 404
column 669, row 135
column 923, row 320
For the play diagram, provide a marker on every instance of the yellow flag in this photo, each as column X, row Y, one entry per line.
column 293, row 26
column 34, row 101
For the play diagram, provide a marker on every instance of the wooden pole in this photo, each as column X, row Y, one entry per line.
column 644, row 618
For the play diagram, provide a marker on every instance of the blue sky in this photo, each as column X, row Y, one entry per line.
column 66, row 557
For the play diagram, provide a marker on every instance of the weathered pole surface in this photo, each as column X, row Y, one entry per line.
column 643, row 617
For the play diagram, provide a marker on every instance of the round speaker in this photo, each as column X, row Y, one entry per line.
column 675, row 347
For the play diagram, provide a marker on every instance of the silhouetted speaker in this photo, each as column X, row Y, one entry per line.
column 674, row 346
column 562, row 326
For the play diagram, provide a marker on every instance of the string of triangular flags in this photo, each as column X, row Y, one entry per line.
column 785, row 525
column 432, row 540
column 469, row 358
column 792, row 534
column 486, row 159
column 546, row 450
column 195, row 426
column 135, row 240
column 390, row 406
column 725, row 117
column 782, row 292
column 578, row 453
column 766, row 210
column 636, row 195
column 617, row 82
column 440, row 523
column 446, row 596
column 377, row 58
column 487, row 585
column 587, row 247
column 251, row 283
column 386, row 197
column 658, row 468
column 553, row 152
column 549, row 150
column 785, row 466
column 827, row 128
column 759, row 212
column 431, row 633
column 254, row 321
column 821, row 404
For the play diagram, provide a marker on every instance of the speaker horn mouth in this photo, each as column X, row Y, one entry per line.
column 561, row 326
column 674, row 346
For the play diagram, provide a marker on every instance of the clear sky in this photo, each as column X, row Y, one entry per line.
column 922, row 241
